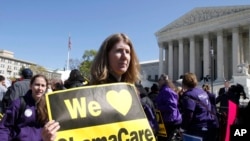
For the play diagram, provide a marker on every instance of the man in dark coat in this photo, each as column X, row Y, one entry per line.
column 223, row 96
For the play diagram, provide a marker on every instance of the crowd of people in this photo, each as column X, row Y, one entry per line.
column 116, row 61
column 188, row 109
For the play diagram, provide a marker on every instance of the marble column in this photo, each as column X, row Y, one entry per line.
column 235, row 50
column 206, row 54
column 226, row 51
column 181, row 58
column 248, row 50
column 170, row 59
column 220, row 57
column 242, row 50
column 160, row 58
column 247, row 47
column 192, row 55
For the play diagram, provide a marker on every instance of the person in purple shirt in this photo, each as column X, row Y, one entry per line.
column 27, row 125
column 167, row 103
column 196, row 108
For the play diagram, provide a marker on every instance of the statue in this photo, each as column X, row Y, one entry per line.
column 242, row 69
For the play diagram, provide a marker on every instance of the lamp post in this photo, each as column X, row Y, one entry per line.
column 212, row 67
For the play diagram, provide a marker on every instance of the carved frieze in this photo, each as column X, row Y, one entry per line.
column 198, row 15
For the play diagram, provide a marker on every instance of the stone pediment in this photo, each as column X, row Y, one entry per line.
column 202, row 14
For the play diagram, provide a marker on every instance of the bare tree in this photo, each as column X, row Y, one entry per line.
column 74, row 63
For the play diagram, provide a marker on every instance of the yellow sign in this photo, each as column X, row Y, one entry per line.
column 109, row 112
column 162, row 130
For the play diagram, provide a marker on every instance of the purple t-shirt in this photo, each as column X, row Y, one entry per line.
column 201, row 115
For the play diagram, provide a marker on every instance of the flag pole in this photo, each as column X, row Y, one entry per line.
column 68, row 61
column 69, row 48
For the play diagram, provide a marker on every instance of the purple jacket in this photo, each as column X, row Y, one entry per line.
column 25, row 127
column 166, row 102
column 201, row 116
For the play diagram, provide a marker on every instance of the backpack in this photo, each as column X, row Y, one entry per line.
column 21, row 109
column 6, row 101
column 151, row 116
column 22, row 106
column 14, row 92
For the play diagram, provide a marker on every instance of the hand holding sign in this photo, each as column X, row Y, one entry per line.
column 49, row 130
column 120, row 115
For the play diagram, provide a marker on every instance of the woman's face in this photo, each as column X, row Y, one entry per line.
column 119, row 58
column 38, row 88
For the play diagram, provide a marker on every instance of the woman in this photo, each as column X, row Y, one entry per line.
column 26, row 124
column 116, row 61
column 167, row 103
column 196, row 108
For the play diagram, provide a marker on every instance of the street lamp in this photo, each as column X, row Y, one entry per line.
column 212, row 67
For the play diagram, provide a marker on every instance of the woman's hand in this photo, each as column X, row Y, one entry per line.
column 49, row 130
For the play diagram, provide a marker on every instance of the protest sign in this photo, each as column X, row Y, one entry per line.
column 99, row 113
column 162, row 130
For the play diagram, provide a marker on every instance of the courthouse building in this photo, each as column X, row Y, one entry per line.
column 205, row 36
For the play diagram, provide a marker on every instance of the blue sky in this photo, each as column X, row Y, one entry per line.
column 37, row 31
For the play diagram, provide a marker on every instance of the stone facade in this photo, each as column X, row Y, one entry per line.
column 10, row 66
column 206, row 41
column 149, row 72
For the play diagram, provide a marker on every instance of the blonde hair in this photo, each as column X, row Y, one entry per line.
column 167, row 81
column 189, row 80
column 178, row 89
column 100, row 66
column 206, row 87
